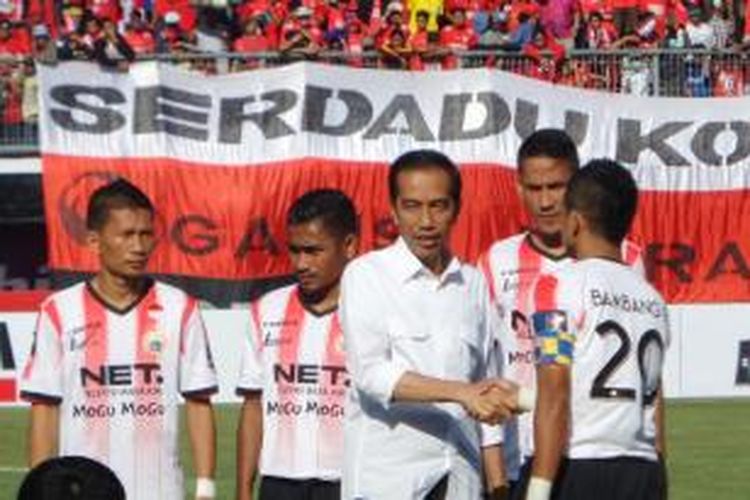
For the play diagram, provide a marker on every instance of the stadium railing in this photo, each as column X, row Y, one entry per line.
column 673, row 73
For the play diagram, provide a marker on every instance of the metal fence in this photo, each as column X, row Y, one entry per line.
column 673, row 73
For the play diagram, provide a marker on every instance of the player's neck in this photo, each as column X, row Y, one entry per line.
column 548, row 244
column 321, row 301
column 596, row 248
column 118, row 291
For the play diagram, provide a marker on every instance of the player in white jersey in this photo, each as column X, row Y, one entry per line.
column 293, row 373
column 601, row 332
column 546, row 161
column 111, row 356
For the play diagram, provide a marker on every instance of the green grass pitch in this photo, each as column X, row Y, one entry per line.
column 709, row 450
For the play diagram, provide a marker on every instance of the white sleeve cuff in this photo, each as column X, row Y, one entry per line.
column 490, row 435
column 526, row 399
column 379, row 382
column 539, row 489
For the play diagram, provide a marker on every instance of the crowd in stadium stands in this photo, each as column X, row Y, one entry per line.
column 531, row 37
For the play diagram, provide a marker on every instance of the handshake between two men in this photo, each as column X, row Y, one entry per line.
column 492, row 401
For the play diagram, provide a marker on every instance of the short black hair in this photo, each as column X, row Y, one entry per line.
column 549, row 143
column 606, row 194
column 115, row 195
column 420, row 159
column 331, row 206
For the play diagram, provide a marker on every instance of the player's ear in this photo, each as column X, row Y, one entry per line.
column 577, row 224
column 93, row 241
column 351, row 246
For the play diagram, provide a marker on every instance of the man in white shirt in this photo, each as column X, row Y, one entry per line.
column 601, row 332
column 418, row 331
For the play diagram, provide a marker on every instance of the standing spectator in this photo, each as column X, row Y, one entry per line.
column 728, row 79
column 625, row 13
column 545, row 55
column 457, row 37
column 80, row 43
column 139, row 34
column 171, row 37
column 252, row 40
column 558, row 20
column 433, row 9
column 524, row 32
column 335, row 24
column 395, row 52
column 722, row 23
column 43, row 48
column 636, row 76
column 700, row 34
column 112, row 50
column 300, row 37
column 662, row 10
column 599, row 36
column 394, row 21
column 12, row 40
column 355, row 41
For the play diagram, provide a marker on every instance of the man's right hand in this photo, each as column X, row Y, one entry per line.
column 489, row 401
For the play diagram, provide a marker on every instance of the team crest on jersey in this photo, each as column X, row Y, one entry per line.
column 154, row 341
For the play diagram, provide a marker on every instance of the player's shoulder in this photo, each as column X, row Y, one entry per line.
column 171, row 296
column 64, row 297
column 506, row 247
column 276, row 295
column 372, row 264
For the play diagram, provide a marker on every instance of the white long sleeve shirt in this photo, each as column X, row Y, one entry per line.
column 397, row 316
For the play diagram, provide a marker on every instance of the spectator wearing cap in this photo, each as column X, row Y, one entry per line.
column 171, row 37
column 394, row 21
column 300, row 37
column 139, row 34
column 43, row 47
column 700, row 34
column 545, row 56
column 456, row 37
column 112, row 50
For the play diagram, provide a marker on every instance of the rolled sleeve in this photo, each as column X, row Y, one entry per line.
column 368, row 352
column 490, row 435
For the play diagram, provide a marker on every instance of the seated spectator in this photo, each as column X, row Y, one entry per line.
column 419, row 41
column 728, row 79
column 186, row 13
column 722, row 23
column 700, row 34
column 252, row 40
column 394, row 21
column 80, row 43
column 457, row 37
column 697, row 81
column 675, row 36
column 496, row 34
column 111, row 49
column 300, row 37
column 335, row 25
column 139, row 34
column 599, row 36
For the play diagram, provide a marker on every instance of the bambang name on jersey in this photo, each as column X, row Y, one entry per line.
column 627, row 303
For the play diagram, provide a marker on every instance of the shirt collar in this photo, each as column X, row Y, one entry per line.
column 409, row 267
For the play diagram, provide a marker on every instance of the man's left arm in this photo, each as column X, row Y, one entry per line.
column 197, row 382
column 199, row 415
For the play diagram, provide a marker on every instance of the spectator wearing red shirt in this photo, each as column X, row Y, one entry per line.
column 335, row 15
column 300, row 37
column 394, row 21
column 545, row 56
column 105, row 9
column 355, row 41
column 13, row 41
column 395, row 53
column 139, row 34
column 419, row 41
column 625, row 13
column 186, row 12
column 457, row 36
column 728, row 79
column 253, row 40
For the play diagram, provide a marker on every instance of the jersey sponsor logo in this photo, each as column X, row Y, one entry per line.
column 129, row 408
column 311, row 374
column 147, row 374
column 77, row 337
column 295, row 409
column 627, row 303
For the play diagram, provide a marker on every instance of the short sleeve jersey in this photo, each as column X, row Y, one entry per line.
column 511, row 267
column 296, row 358
column 117, row 376
column 610, row 326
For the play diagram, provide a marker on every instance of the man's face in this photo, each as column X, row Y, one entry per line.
column 125, row 243
column 4, row 31
column 318, row 256
column 425, row 212
column 422, row 22
column 541, row 184
column 459, row 17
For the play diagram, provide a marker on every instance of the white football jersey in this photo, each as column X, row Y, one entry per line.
column 117, row 376
column 296, row 358
column 511, row 267
column 606, row 322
